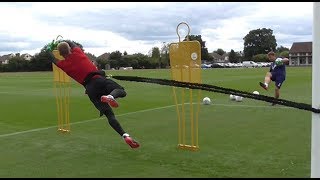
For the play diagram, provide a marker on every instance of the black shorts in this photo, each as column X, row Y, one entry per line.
column 278, row 79
column 97, row 87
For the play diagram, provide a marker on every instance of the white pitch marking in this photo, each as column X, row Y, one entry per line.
column 129, row 113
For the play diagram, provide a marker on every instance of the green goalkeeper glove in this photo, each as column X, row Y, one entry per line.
column 52, row 46
column 278, row 61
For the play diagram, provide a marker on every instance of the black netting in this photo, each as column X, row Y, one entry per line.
column 218, row 89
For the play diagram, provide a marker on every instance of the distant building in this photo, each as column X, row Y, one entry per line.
column 300, row 54
column 5, row 58
column 26, row 56
column 217, row 58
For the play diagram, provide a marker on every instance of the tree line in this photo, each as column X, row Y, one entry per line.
column 257, row 43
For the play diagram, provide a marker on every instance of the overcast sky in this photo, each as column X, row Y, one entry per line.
column 137, row 27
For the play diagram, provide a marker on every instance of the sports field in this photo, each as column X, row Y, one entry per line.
column 237, row 139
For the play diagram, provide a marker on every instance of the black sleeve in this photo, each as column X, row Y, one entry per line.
column 52, row 58
column 71, row 44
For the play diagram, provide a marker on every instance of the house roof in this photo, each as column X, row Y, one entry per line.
column 299, row 47
column 216, row 55
column 25, row 55
column 4, row 57
column 224, row 55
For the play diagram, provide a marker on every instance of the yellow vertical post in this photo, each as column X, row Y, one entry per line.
column 185, row 63
column 62, row 86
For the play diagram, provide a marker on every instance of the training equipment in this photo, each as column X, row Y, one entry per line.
column 206, row 101
column 185, row 63
column 62, row 86
column 256, row 92
column 232, row 97
column 239, row 98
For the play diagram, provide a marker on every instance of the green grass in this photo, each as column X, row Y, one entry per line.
column 236, row 139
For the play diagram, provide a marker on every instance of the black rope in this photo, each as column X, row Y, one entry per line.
column 218, row 89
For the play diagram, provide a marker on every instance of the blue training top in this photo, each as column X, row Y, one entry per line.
column 278, row 70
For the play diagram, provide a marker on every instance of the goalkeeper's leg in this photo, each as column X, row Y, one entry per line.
column 112, row 91
column 117, row 127
column 113, row 122
column 111, row 98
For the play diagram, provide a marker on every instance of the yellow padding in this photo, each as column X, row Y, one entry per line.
column 58, row 74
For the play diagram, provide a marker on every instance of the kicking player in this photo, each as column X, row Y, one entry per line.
column 277, row 73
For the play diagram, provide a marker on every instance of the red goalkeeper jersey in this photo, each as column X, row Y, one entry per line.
column 77, row 65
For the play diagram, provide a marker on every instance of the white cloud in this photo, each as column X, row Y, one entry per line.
column 226, row 36
column 137, row 27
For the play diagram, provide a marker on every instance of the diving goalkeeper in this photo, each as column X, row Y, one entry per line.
column 101, row 91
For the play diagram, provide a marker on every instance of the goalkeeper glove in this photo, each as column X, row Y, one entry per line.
column 278, row 61
column 52, row 46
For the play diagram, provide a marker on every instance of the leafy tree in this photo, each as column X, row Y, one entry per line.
column 155, row 53
column 233, row 56
column 204, row 50
column 165, row 61
column 281, row 49
column 122, row 62
column 115, row 55
column 131, row 61
column 284, row 54
column 113, row 63
column 41, row 62
column 17, row 64
column 260, row 58
column 219, row 51
column 143, row 60
column 125, row 53
column 259, row 41
column 92, row 57
column 101, row 63
column 155, row 56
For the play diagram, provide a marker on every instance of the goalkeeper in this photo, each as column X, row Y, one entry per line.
column 101, row 91
column 277, row 73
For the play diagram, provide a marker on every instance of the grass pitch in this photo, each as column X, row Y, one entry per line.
column 236, row 139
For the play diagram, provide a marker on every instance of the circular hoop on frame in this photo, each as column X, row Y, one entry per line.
column 188, row 30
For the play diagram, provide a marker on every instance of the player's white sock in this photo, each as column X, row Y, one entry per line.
column 110, row 96
column 125, row 135
column 266, row 84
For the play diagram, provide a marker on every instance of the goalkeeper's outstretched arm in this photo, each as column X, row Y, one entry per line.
column 52, row 58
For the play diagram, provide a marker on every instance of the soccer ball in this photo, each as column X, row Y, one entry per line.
column 256, row 92
column 232, row 97
column 239, row 98
column 206, row 101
